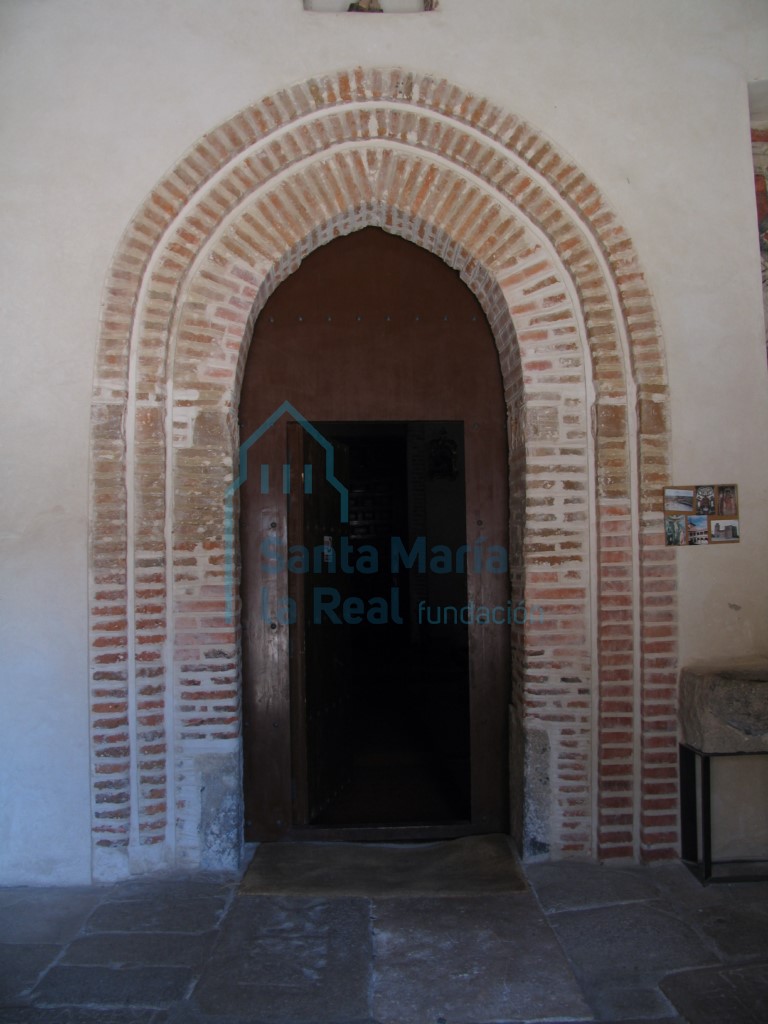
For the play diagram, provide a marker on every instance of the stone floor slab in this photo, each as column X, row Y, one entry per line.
column 45, row 915
column 628, row 942
column 185, row 1013
column 288, row 958
column 20, row 967
column 736, row 995
column 636, row 1020
column 737, row 933
column 640, row 941
column 150, row 987
column 79, row 1015
column 207, row 886
column 680, row 888
column 578, row 886
column 162, row 913
column 629, row 999
column 472, row 866
column 486, row 958
column 136, row 949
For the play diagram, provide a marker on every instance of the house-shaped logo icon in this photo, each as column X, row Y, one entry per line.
column 267, row 483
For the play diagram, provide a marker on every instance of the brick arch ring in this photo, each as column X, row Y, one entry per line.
column 593, row 709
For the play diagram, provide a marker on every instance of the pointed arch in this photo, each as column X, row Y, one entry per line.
column 585, row 384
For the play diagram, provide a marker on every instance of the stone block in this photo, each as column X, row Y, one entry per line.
column 92, row 1015
column 483, row 957
column 738, row 933
column 628, row 945
column 472, row 866
column 294, row 959
column 578, row 885
column 724, row 709
column 729, row 996
column 538, row 812
column 161, row 913
column 21, row 965
column 52, row 916
column 139, row 949
column 221, row 816
column 106, row 987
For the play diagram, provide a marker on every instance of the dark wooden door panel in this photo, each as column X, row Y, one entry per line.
column 266, row 706
column 373, row 329
column 319, row 681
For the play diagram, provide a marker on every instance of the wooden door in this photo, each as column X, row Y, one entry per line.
column 373, row 330
column 320, row 737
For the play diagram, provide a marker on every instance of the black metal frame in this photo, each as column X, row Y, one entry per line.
column 698, row 861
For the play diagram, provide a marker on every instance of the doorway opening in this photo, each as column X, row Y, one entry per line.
column 389, row 360
column 380, row 654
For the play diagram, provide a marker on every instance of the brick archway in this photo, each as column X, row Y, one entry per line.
column 585, row 385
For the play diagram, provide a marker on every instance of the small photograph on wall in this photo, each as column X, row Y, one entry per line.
column 727, row 500
column 723, row 531
column 678, row 499
column 697, row 529
column 674, row 528
column 701, row 514
column 705, row 500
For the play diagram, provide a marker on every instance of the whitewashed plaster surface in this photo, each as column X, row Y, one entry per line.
column 100, row 99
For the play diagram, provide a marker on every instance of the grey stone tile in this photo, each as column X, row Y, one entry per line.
column 629, row 942
column 737, row 995
column 78, row 1015
column 729, row 918
column 473, row 866
column 754, row 894
column 189, row 888
column 640, row 999
column 469, row 959
column 737, row 933
column 627, row 1020
column 186, row 1013
column 20, row 967
column 11, row 893
column 288, row 958
column 45, row 915
column 575, row 886
column 103, row 986
column 132, row 949
column 681, row 888
column 163, row 913
column 677, row 885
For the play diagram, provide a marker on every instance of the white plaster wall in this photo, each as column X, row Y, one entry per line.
column 100, row 98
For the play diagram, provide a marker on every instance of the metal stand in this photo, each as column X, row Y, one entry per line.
column 696, row 823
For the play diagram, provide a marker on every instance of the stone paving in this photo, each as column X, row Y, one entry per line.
column 586, row 943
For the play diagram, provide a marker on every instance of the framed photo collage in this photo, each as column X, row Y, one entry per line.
column 701, row 514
